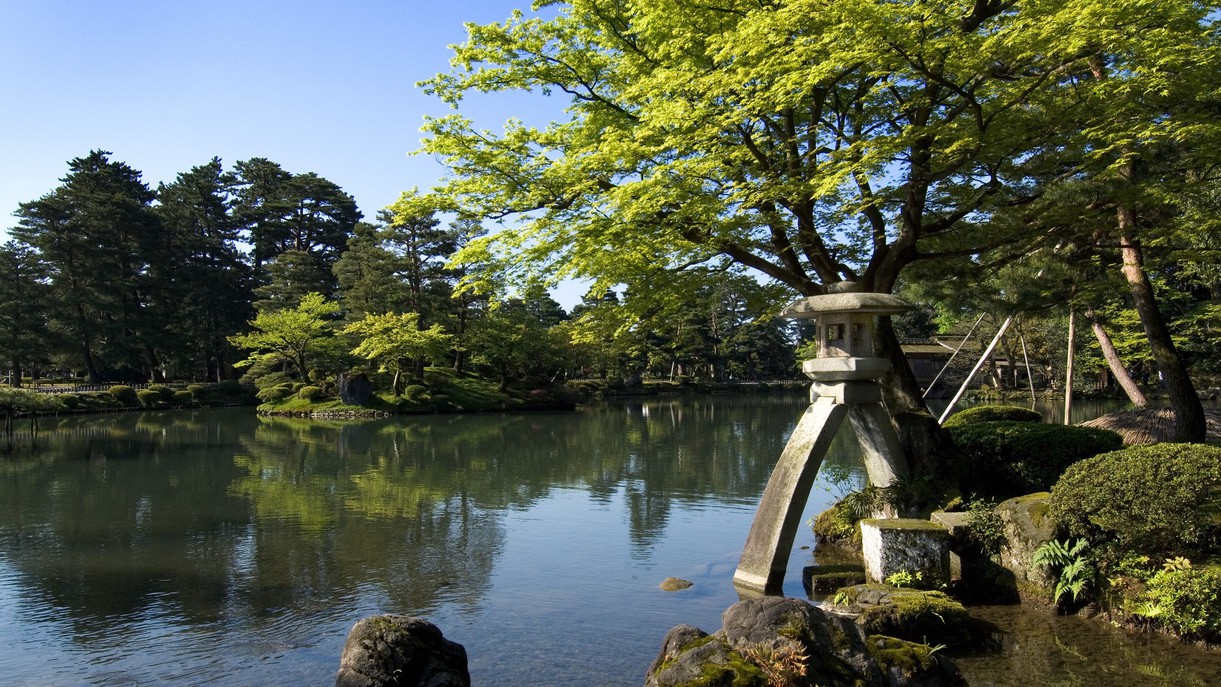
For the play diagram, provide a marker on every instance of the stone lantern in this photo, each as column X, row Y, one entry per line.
column 845, row 327
column 845, row 375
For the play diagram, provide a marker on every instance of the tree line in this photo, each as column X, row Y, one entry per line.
column 259, row 271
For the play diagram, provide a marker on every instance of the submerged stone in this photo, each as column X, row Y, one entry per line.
column 674, row 584
column 824, row 579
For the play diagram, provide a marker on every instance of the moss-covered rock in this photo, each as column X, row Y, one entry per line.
column 911, row 614
column 780, row 641
column 837, row 525
column 1027, row 526
column 913, row 664
column 825, row 579
column 691, row 657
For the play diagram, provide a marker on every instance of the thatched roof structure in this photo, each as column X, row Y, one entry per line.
column 1151, row 425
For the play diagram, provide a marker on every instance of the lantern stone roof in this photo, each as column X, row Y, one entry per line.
column 846, row 302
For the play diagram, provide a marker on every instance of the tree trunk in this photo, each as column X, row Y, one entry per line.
column 1189, row 422
column 16, row 381
column 90, row 367
column 1129, row 386
column 394, row 385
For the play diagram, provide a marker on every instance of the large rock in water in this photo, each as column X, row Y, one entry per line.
column 775, row 640
column 401, row 650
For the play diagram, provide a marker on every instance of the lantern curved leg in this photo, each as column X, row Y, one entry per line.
column 766, row 554
column 885, row 461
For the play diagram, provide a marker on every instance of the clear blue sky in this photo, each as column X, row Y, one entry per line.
column 324, row 87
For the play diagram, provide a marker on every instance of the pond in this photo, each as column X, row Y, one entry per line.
column 216, row 547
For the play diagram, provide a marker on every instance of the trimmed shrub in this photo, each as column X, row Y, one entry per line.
column 125, row 394
column 167, row 394
column 149, row 398
column 1001, row 460
column 414, row 393
column 275, row 394
column 1153, row 500
column 183, row 398
column 991, row 413
column 309, row 393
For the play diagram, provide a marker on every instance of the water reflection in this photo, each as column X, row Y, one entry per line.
column 218, row 547
column 238, row 536
column 1040, row 648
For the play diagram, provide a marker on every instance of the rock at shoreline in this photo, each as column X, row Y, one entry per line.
column 776, row 640
column 354, row 390
column 1027, row 527
column 400, row 650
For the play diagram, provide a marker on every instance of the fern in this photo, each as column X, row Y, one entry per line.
column 1072, row 564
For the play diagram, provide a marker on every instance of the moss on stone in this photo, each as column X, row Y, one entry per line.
column 824, row 583
column 903, row 524
column 909, row 614
column 892, row 652
column 737, row 672
column 1038, row 506
column 837, row 524
column 693, row 644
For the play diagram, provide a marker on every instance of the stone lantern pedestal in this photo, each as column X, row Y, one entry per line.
column 845, row 376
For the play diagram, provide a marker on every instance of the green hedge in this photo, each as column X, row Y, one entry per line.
column 1005, row 459
column 149, row 398
column 992, row 413
column 125, row 394
column 166, row 393
column 1153, row 500
column 275, row 393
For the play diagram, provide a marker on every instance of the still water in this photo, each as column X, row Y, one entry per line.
column 221, row 548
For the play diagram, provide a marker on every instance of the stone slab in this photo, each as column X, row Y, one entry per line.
column 897, row 545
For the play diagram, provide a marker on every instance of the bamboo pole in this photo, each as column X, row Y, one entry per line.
column 1029, row 377
column 982, row 359
column 1068, row 382
column 955, row 353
